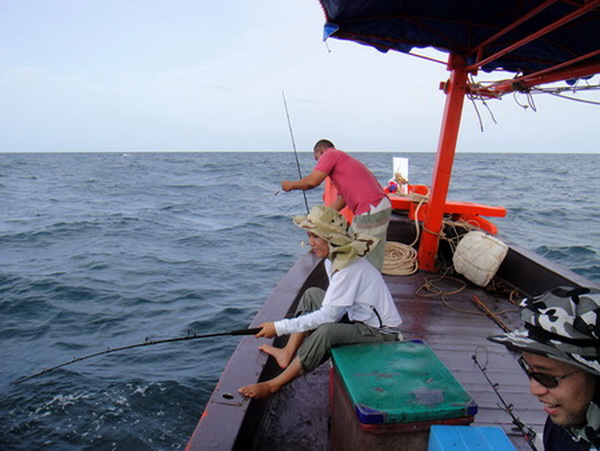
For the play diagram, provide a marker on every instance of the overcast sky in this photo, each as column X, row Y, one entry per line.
column 169, row 75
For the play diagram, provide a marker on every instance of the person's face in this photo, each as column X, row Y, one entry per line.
column 567, row 403
column 317, row 153
column 318, row 245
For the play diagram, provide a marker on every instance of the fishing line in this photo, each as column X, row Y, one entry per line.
column 294, row 146
column 138, row 345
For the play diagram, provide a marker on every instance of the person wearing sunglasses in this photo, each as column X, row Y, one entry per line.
column 560, row 353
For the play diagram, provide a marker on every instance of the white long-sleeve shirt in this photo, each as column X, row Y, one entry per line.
column 357, row 290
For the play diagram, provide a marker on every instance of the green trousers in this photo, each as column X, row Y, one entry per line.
column 316, row 347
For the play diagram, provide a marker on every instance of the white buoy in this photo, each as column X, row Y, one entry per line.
column 478, row 257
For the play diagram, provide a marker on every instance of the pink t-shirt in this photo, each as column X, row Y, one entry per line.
column 354, row 182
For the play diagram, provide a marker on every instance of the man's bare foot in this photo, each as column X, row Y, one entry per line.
column 279, row 354
column 266, row 388
column 260, row 390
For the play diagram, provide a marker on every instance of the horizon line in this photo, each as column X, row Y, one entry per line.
column 299, row 151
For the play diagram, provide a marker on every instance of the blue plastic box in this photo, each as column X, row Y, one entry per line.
column 468, row 438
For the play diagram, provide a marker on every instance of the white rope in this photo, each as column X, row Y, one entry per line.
column 400, row 259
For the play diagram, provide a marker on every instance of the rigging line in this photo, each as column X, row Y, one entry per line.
column 559, row 89
column 517, row 101
column 472, row 99
column 562, row 96
column 287, row 114
column 531, row 101
column 148, row 342
column 491, row 113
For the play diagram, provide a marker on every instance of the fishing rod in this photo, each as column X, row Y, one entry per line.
column 294, row 146
column 148, row 342
column 525, row 430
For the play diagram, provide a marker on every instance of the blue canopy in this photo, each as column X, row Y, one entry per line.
column 569, row 31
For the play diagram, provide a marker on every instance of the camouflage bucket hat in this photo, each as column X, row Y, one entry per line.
column 563, row 324
column 327, row 223
column 330, row 225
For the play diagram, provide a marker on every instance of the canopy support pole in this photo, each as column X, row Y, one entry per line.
column 455, row 89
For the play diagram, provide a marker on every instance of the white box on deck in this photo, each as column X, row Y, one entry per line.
column 400, row 166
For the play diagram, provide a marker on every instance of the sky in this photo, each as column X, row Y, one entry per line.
column 189, row 75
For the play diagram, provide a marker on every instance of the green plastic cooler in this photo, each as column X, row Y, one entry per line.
column 389, row 394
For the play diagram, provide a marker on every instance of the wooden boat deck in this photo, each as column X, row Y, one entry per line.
column 455, row 328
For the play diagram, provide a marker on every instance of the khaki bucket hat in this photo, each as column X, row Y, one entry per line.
column 329, row 224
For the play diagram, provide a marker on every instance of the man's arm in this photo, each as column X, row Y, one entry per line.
column 309, row 321
column 311, row 181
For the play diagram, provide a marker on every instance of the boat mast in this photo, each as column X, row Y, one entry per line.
column 455, row 90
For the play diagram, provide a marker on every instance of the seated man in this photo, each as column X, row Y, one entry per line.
column 560, row 347
column 356, row 308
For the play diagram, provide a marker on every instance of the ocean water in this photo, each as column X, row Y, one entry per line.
column 102, row 250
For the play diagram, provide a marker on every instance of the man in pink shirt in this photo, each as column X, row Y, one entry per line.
column 357, row 188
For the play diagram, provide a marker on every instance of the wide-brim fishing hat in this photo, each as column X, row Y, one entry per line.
column 327, row 223
column 562, row 324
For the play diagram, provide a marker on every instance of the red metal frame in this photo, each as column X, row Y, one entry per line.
column 456, row 89
column 532, row 37
column 464, row 211
column 563, row 71
column 556, row 73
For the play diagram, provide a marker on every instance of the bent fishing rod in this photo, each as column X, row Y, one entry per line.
column 148, row 342
column 527, row 432
column 287, row 113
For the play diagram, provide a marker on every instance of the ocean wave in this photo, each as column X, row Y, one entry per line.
column 561, row 252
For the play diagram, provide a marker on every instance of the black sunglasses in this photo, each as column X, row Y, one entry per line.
column 547, row 380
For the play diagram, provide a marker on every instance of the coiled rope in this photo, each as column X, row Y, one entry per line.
column 401, row 259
